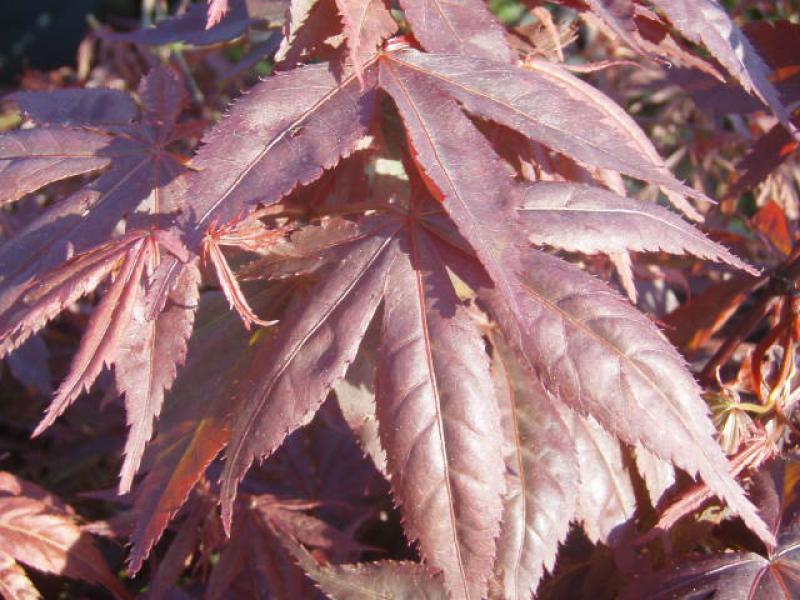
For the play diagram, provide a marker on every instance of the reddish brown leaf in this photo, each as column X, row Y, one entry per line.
column 590, row 349
column 147, row 362
column 83, row 136
column 439, row 420
column 769, row 152
column 741, row 574
column 464, row 27
column 542, row 475
column 383, row 579
column 14, row 583
column 275, row 139
column 324, row 333
column 366, row 24
column 51, row 542
column 692, row 324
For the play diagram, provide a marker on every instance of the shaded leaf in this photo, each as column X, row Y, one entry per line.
column 741, row 574
column 194, row 428
column 363, row 581
column 311, row 351
column 606, row 500
column 355, row 395
column 706, row 22
column 51, row 542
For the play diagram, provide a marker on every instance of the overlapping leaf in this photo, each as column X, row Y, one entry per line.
column 540, row 101
column 78, row 134
column 589, row 349
column 40, row 535
column 742, row 574
column 275, row 139
column 310, row 353
column 707, row 22
column 543, row 479
column 195, row 424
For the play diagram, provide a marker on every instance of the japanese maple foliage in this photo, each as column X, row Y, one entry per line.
column 379, row 278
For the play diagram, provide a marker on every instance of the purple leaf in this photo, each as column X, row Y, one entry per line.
column 706, row 22
column 542, row 470
column 591, row 350
column 589, row 219
column 276, row 138
column 541, row 101
column 439, row 420
column 464, row 27
column 311, row 351
column 147, row 361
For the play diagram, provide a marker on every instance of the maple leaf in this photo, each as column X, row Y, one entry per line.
column 256, row 549
column 325, row 331
column 14, row 583
column 366, row 24
column 606, row 499
column 465, row 27
column 40, row 534
column 425, row 88
column 380, row 579
column 281, row 140
column 309, row 26
column 435, row 411
column 754, row 574
column 194, row 26
column 191, row 434
column 589, row 219
column 542, row 470
column 605, row 137
column 217, row 9
column 707, row 22
column 543, row 304
column 88, row 131
column 146, row 363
